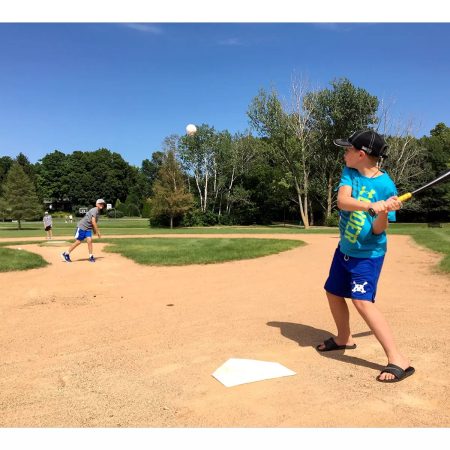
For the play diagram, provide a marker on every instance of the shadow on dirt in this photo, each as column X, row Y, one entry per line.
column 307, row 336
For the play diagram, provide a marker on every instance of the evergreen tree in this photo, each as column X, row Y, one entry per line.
column 27, row 167
column 170, row 197
column 5, row 164
column 4, row 209
column 20, row 195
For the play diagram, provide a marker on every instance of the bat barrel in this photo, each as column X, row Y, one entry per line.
column 405, row 197
column 440, row 179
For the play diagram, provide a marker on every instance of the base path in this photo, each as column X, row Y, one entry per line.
column 117, row 344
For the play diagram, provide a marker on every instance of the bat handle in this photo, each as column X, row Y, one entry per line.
column 405, row 197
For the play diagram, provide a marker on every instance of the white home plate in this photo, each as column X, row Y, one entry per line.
column 237, row 371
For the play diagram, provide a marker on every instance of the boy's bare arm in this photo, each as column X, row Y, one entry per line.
column 95, row 227
column 381, row 223
column 346, row 202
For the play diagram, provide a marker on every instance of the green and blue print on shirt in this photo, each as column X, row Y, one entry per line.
column 355, row 227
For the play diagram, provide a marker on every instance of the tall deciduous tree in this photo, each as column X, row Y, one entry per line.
column 51, row 173
column 170, row 197
column 4, row 209
column 149, row 170
column 20, row 195
column 90, row 175
column 435, row 203
column 199, row 154
column 287, row 138
column 406, row 154
column 337, row 113
column 238, row 162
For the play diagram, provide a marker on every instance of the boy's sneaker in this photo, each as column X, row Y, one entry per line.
column 91, row 258
column 66, row 257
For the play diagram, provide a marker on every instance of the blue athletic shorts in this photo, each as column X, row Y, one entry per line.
column 354, row 278
column 81, row 235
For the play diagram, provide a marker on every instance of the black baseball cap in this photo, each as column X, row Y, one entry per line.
column 367, row 140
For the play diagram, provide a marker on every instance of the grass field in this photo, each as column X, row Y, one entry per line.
column 176, row 252
column 111, row 227
column 13, row 259
column 437, row 239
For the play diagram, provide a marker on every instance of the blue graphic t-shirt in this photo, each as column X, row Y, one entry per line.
column 355, row 227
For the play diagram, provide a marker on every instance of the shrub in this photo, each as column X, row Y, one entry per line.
column 114, row 214
column 146, row 210
column 332, row 220
column 225, row 219
column 198, row 218
column 58, row 214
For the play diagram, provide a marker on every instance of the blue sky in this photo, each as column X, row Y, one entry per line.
column 125, row 87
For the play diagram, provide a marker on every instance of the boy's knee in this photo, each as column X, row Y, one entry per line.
column 362, row 305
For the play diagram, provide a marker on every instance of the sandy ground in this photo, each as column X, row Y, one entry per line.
column 116, row 344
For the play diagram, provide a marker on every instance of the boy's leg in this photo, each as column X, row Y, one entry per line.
column 341, row 316
column 73, row 246
column 378, row 324
column 90, row 246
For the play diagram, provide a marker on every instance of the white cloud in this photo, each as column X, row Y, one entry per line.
column 329, row 26
column 144, row 27
column 230, row 41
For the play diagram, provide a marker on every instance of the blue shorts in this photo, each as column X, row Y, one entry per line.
column 81, row 235
column 354, row 278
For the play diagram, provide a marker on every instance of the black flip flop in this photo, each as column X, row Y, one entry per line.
column 330, row 344
column 398, row 373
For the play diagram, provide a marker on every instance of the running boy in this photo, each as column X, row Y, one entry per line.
column 367, row 198
column 84, row 230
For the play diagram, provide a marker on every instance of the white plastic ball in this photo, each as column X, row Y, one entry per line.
column 191, row 129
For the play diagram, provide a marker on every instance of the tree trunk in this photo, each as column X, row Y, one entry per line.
column 171, row 222
column 205, row 196
column 303, row 206
column 197, row 182
column 19, row 225
column 329, row 197
column 311, row 214
column 229, row 191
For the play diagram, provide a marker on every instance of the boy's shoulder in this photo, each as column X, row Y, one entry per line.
column 348, row 174
column 386, row 178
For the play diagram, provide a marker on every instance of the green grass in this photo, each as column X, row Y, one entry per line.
column 130, row 227
column 179, row 251
column 13, row 259
column 413, row 228
column 436, row 239
column 11, row 243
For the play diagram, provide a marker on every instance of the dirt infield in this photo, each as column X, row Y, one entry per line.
column 116, row 344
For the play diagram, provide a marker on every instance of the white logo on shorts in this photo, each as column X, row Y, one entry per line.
column 359, row 287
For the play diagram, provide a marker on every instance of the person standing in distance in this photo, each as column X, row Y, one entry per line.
column 84, row 230
column 48, row 224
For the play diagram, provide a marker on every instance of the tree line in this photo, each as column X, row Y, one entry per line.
column 285, row 168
